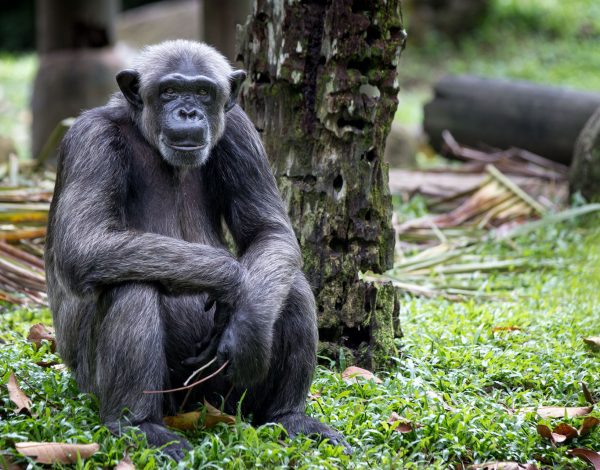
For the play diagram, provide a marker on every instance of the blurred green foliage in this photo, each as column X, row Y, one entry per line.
column 546, row 41
column 16, row 80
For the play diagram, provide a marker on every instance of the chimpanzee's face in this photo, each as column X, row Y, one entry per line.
column 188, row 109
column 183, row 111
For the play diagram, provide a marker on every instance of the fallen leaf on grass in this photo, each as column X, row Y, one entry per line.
column 587, row 394
column 403, row 425
column 565, row 432
column 593, row 342
column 46, row 364
column 560, row 411
column 353, row 372
column 125, row 464
column 56, row 452
column 40, row 332
column 314, row 396
column 183, row 421
column 191, row 420
column 503, row 466
column 215, row 416
column 17, row 396
column 557, row 411
column 590, row 456
column 588, row 424
column 506, row 328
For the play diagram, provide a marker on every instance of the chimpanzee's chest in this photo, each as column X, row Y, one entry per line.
column 169, row 201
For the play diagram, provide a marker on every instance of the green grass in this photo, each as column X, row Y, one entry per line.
column 455, row 378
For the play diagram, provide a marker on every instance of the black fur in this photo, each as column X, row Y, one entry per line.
column 135, row 248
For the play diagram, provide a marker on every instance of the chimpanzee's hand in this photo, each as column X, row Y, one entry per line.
column 238, row 337
column 246, row 344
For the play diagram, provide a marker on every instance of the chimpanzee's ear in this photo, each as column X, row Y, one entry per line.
column 129, row 83
column 236, row 79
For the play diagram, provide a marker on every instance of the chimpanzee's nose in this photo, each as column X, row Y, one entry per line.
column 188, row 114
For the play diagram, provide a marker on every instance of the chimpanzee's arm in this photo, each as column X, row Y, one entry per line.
column 267, row 245
column 87, row 235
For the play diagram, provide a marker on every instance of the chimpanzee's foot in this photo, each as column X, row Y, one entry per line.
column 299, row 423
column 158, row 436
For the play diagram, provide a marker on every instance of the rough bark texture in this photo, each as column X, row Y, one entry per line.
column 322, row 89
column 585, row 170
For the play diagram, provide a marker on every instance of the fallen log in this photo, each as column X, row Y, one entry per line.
column 498, row 113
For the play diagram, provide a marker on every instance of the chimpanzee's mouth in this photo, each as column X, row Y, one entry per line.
column 185, row 147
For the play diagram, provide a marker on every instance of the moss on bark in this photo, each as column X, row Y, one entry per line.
column 322, row 90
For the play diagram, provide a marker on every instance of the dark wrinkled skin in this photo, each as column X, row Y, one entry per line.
column 137, row 263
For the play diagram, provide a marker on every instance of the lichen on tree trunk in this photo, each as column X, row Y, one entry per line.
column 322, row 90
column 585, row 169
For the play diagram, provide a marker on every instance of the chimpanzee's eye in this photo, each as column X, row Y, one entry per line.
column 203, row 92
column 168, row 93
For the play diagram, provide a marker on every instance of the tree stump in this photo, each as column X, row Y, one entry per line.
column 585, row 170
column 322, row 90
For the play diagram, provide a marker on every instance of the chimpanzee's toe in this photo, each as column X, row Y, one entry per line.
column 298, row 423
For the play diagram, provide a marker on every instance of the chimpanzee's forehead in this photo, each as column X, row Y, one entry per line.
column 192, row 66
column 184, row 57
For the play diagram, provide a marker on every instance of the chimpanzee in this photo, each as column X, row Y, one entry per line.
column 141, row 283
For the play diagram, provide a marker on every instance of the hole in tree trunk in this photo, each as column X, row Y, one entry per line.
column 338, row 182
column 373, row 34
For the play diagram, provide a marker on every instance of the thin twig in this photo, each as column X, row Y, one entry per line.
column 149, row 392
column 197, row 371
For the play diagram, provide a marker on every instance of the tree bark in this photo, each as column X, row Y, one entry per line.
column 585, row 170
column 322, row 90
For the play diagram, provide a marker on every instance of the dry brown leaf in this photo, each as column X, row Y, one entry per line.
column 40, row 332
column 56, row 452
column 314, row 396
column 565, row 432
column 564, row 429
column 506, row 328
column 593, row 342
column 544, row 431
column 354, row 372
column 403, row 425
column 588, row 424
column 503, row 466
column 125, row 464
column 183, row 421
column 587, row 394
column 215, row 416
column 17, row 396
column 590, row 456
column 46, row 364
column 560, row 411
